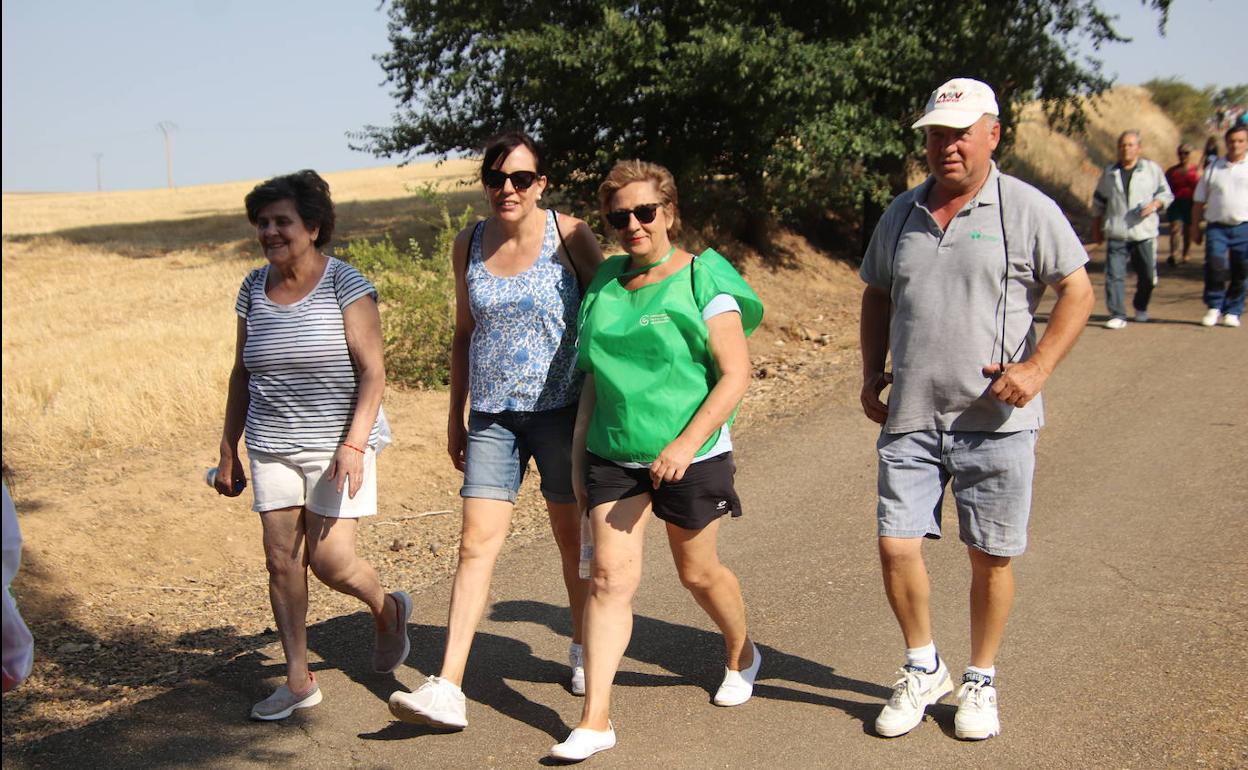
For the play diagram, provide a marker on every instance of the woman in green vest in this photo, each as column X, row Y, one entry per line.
column 662, row 342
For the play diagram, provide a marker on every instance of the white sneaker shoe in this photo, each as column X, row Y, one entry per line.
column 583, row 743
column 576, row 660
column 738, row 686
column 1116, row 323
column 1141, row 316
column 437, row 703
column 977, row 709
column 912, row 694
column 1230, row 320
column 1211, row 317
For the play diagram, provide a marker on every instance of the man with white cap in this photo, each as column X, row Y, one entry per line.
column 954, row 272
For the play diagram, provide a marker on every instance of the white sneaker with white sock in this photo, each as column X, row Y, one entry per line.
column 1231, row 320
column 1211, row 317
column 913, row 692
column 977, row 716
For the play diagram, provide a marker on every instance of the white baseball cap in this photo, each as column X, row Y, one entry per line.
column 958, row 103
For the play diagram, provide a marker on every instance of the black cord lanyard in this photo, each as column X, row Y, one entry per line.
column 1005, row 275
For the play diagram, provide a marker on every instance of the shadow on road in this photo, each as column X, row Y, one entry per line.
column 695, row 656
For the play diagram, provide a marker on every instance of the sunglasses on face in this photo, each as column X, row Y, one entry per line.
column 645, row 214
column 521, row 180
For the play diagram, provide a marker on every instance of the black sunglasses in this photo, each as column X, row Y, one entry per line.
column 645, row 214
column 521, row 180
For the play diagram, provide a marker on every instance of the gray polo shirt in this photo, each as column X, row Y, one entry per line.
column 947, row 302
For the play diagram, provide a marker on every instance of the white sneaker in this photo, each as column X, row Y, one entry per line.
column 912, row 694
column 1211, row 317
column 1116, row 323
column 583, row 743
column 977, row 709
column 1141, row 316
column 1230, row 320
column 437, row 703
column 576, row 660
column 738, row 686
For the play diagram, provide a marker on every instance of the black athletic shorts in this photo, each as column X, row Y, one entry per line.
column 702, row 496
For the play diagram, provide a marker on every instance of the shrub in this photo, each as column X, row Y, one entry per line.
column 417, row 296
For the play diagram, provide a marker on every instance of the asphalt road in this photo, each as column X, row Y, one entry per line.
column 1126, row 647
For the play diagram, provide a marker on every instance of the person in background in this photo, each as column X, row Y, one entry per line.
column 966, row 377
column 663, row 344
column 1221, row 201
column 1125, row 205
column 1211, row 153
column 306, row 386
column 518, row 281
column 1182, row 178
column 19, row 645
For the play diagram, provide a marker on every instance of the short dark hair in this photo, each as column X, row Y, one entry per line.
column 1235, row 129
column 310, row 194
column 499, row 147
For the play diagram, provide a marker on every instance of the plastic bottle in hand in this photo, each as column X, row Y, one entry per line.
column 587, row 548
column 240, row 483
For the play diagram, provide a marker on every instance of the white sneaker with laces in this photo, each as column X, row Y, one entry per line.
column 977, row 709
column 436, row 703
column 576, row 660
column 1116, row 323
column 913, row 692
column 1211, row 317
column 738, row 686
column 1230, row 320
column 583, row 743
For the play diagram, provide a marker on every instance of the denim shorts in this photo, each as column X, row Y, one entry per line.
column 500, row 445
column 991, row 475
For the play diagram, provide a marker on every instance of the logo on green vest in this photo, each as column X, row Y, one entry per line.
column 655, row 318
column 978, row 235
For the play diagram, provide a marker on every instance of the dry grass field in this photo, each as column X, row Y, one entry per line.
column 118, row 332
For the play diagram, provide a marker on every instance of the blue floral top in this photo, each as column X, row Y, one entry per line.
column 522, row 356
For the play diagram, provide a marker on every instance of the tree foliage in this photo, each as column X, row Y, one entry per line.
column 764, row 110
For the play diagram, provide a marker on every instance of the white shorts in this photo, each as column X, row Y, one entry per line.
column 301, row 479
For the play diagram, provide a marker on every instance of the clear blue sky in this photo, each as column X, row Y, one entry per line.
column 268, row 86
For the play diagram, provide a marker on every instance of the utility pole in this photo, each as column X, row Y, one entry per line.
column 99, row 179
column 166, row 127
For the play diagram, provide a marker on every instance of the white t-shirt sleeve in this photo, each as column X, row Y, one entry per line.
column 720, row 303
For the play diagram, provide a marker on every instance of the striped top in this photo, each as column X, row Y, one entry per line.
column 303, row 385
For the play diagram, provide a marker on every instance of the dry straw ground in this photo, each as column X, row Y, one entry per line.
column 117, row 340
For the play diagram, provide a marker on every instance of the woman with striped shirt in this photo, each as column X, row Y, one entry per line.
column 306, row 385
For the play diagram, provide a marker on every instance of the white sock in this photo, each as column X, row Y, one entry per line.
column 990, row 672
column 922, row 657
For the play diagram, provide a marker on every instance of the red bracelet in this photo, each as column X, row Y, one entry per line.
column 353, row 446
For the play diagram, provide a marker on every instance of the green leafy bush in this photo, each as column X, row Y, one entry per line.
column 417, row 293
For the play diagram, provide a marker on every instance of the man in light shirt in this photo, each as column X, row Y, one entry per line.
column 1126, row 202
column 1221, row 200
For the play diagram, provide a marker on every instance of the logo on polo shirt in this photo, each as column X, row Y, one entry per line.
column 655, row 318
column 979, row 235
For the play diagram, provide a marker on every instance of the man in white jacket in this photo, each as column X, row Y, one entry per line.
column 1125, row 206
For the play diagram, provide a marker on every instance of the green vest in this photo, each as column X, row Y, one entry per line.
column 648, row 352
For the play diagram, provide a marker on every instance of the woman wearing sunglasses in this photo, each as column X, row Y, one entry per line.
column 663, row 344
column 518, row 280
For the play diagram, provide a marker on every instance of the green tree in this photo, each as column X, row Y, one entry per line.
column 1189, row 107
column 765, row 111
